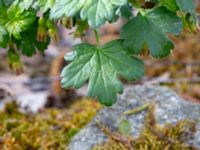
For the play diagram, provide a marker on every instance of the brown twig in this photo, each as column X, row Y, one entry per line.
column 137, row 110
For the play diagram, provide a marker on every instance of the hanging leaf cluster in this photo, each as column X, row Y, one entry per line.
column 27, row 26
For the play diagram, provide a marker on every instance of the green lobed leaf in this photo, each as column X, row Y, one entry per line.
column 102, row 66
column 18, row 20
column 150, row 29
column 167, row 21
column 29, row 44
column 97, row 12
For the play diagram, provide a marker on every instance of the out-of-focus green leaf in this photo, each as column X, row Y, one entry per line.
column 29, row 44
column 97, row 12
column 4, row 37
column 169, row 4
column 150, row 29
column 18, row 20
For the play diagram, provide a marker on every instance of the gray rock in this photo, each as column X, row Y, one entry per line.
column 170, row 109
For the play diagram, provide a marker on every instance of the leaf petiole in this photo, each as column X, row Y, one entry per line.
column 141, row 11
column 97, row 37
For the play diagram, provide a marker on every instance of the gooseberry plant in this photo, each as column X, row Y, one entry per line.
column 27, row 26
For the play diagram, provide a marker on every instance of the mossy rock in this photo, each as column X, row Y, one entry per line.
column 171, row 111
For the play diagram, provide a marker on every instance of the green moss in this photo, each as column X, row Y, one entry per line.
column 153, row 136
column 50, row 129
